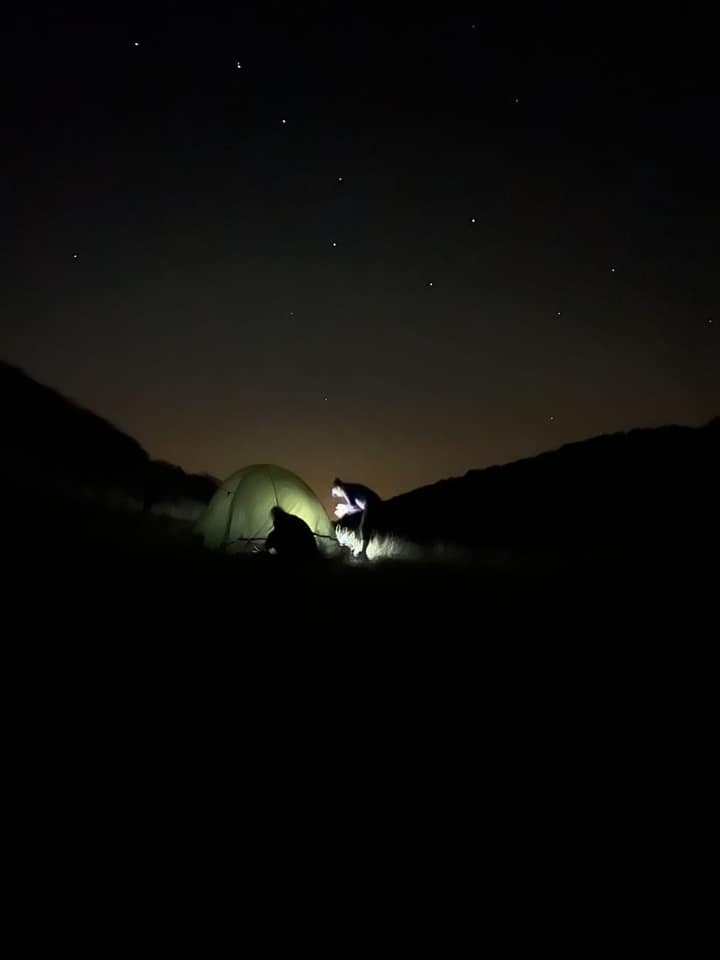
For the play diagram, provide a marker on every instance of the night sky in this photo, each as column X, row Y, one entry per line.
column 385, row 249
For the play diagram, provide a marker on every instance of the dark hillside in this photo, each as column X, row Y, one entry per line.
column 52, row 446
column 639, row 492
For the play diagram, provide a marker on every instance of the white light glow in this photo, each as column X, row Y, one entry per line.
column 348, row 538
column 345, row 510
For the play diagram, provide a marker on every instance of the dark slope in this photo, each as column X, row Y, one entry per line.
column 53, row 446
column 648, row 489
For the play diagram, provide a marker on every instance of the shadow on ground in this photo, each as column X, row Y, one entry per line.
column 412, row 749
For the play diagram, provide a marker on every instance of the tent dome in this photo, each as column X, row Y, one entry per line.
column 238, row 518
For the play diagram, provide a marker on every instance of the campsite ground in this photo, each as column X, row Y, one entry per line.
column 413, row 749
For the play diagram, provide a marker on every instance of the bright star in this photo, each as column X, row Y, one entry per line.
column 136, row 44
column 473, row 220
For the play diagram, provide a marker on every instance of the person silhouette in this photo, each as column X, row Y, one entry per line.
column 290, row 538
column 356, row 498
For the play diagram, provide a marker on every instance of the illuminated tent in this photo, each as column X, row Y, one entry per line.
column 238, row 518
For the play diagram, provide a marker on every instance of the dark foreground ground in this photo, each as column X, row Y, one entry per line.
column 233, row 751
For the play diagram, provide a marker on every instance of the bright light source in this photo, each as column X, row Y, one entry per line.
column 348, row 538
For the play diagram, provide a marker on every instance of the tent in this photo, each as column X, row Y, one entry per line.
column 238, row 519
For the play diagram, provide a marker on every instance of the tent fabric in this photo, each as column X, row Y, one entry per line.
column 238, row 517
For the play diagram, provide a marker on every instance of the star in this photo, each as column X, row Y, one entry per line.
column 283, row 121
column 75, row 256
column 430, row 283
column 551, row 419
column 516, row 100
column 612, row 269
column 238, row 65
column 557, row 314
column 339, row 179
column 136, row 43
column 473, row 219
column 334, row 243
